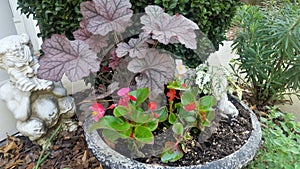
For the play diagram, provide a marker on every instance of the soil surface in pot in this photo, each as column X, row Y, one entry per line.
column 70, row 150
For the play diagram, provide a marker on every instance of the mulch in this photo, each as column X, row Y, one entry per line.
column 69, row 150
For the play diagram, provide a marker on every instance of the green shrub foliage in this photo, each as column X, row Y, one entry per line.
column 269, row 49
column 53, row 16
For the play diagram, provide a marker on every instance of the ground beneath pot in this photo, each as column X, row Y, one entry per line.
column 70, row 150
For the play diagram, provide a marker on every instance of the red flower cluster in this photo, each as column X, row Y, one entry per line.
column 98, row 111
column 171, row 94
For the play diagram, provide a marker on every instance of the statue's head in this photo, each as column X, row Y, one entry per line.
column 16, row 55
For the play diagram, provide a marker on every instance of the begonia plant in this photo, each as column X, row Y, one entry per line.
column 135, row 124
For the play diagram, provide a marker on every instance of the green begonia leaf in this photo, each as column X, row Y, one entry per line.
column 177, row 128
column 120, row 111
column 143, row 134
column 171, row 152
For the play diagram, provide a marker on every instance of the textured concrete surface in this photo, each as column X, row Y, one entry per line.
column 225, row 54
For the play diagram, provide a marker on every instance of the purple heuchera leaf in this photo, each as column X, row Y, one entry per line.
column 82, row 33
column 156, row 69
column 113, row 60
column 103, row 16
column 169, row 29
column 96, row 42
column 135, row 47
column 74, row 58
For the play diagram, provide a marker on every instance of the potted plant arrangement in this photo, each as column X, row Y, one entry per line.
column 153, row 106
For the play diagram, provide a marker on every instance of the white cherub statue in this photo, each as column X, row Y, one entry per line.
column 37, row 104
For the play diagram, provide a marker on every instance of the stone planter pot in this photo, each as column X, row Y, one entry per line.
column 112, row 159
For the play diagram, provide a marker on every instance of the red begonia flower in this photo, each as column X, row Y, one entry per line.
column 98, row 111
column 132, row 98
column 124, row 101
column 124, row 91
column 112, row 106
column 152, row 106
column 171, row 94
column 190, row 107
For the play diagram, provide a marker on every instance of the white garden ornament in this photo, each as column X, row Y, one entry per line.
column 38, row 105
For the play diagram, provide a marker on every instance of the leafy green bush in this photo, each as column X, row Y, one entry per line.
column 53, row 16
column 212, row 17
column 280, row 149
column 269, row 49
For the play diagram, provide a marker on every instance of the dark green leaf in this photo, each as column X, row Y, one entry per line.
column 162, row 113
column 141, row 95
column 111, row 135
column 121, row 111
column 171, row 152
column 143, row 134
column 152, row 125
column 208, row 101
column 177, row 128
column 187, row 98
column 172, row 118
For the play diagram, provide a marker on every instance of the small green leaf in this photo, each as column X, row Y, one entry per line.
column 206, row 123
column 210, row 115
column 152, row 125
column 162, row 113
column 141, row 95
column 97, row 125
column 110, row 135
column 139, row 116
column 177, row 128
column 126, row 133
column 190, row 119
column 143, row 134
column 195, row 91
column 172, row 118
column 171, row 152
column 110, row 122
column 208, row 101
column 187, row 98
column 120, row 111
column 187, row 136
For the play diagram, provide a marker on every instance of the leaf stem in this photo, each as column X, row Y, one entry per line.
column 116, row 37
column 42, row 158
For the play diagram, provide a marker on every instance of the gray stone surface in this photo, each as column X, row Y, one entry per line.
column 112, row 159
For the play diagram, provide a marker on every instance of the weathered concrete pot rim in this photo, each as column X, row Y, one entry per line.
column 112, row 159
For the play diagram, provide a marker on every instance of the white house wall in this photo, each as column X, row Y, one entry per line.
column 7, row 27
